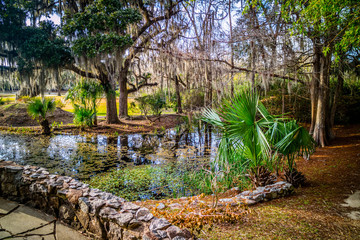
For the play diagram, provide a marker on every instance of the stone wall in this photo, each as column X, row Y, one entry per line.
column 100, row 214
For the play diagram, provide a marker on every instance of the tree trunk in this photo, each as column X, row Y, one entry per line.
column 111, row 110
column 283, row 97
column 45, row 127
column 58, row 82
column 178, row 96
column 208, row 88
column 338, row 93
column 321, row 130
column 232, row 50
column 252, row 63
column 123, row 98
column 314, row 88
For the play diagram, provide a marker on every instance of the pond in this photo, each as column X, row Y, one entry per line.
column 82, row 157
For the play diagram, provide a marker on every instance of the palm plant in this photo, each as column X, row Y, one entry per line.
column 243, row 121
column 290, row 140
column 252, row 138
column 85, row 95
column 38, row 109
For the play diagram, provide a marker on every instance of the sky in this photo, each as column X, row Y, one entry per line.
column 53, row 17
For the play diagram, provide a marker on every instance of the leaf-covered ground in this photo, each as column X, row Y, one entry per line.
column 314, row 211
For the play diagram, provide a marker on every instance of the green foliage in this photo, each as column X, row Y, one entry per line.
column 101, row 27
column 83, row 116
column 154, row 103
column 60, row 103
column 337, row 22
column 85, row 95
column 24, row 99
column 38, row 108
column 149, row 182
column 27, row 46
column 252, row 137
column 2, row 101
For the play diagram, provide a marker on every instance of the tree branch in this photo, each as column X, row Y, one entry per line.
column 135, row 89
column 81, row 72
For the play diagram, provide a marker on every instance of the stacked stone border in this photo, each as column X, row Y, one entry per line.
column 261, row 194
column 101, row 215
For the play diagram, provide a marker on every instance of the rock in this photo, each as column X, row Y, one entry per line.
column 143, row 214
column 130, row 206
column 226, row 200
column 73, row 195
column 174, row 231
column 160, row 206
column 66, row 213
column 249, row 202
column 83, row 218
column 162, row 234
column 178, row 238
column 274, row 194
column 96, row 205
column 134, row 224
column 159, row 224
column 114, row 231
column 38, row 188
column 175, row 206
column 258, row 198
column 123, row 219
column 107, row 212
column 35, row 175
column 13, row 169
column 113, row 204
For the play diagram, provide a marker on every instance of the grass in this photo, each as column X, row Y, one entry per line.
column 101, row 107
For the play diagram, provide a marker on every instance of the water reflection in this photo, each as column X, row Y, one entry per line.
column 81, row 156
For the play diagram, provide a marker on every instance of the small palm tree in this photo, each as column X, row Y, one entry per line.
column 253, row 138
column 243, row 121
column 38, row 110
column 290, row 140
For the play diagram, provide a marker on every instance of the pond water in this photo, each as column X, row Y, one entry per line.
column 82, row 157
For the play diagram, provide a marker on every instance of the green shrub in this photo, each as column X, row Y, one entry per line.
column 154, row 103
column 24, row 99
column 85, row 95
column 60, row 103
column 193, row 99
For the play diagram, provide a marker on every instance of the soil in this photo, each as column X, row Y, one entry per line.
column 315, row 211
column 15, row 115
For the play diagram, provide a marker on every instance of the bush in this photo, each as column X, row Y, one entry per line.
column 2, row 101
column 24, row 99
column 83, row 116
column 154, row 103
column 60, row 103
column 85, row 95
column 194, row 99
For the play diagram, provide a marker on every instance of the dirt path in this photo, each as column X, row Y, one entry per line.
column 316, row 211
